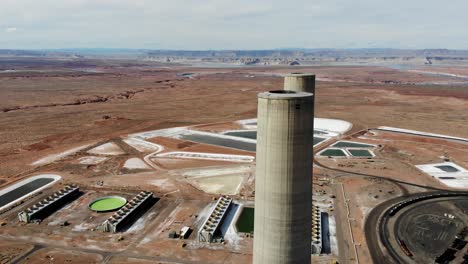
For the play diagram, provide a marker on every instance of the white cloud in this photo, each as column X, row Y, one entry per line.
column 10, row 29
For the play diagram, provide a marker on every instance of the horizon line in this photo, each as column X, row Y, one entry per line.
column 221, row 49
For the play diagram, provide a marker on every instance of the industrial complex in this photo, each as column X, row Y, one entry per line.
column 282, row 187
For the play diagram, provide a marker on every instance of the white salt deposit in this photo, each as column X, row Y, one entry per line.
column 135, row 163
column 92, row 160
column 326, row 124
column 440, row 73
column 216, row 171
column 54, row 157
column 224, row 184
column 143, row 146
column 109, row 148
column 169, row 132
column 206, row 156
column 408, row 131
column 457, row 179
column 332, row 125
column 162, row 183
column 248, row 123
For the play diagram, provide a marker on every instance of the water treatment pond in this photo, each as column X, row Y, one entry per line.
column 245, row 222
column 345, row 144
column 360, row 153
column 219, row 141
column 243, row 134
column 318, row 132
column 447, row 168
column 106, row 204
column 253, row 135
column 317, row 140
column 23, row 190
column 333, row 153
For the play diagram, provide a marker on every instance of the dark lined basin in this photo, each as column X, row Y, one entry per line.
column 223, row 142
column 23, row 190
column 447, row 168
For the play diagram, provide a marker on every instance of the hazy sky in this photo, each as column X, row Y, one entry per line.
column 233, row 24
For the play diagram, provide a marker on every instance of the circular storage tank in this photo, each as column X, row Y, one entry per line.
column 107, row 204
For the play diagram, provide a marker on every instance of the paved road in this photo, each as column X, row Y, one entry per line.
column 342, row 232
column 372, row 232
column 105, row 254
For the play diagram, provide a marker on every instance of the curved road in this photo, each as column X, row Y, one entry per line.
column 372, row 230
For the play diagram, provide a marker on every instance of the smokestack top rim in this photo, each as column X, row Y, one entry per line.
column 299, row 74
column 282, row 92
column 285, row 94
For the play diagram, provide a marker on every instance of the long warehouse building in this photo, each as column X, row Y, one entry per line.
column 50, row 204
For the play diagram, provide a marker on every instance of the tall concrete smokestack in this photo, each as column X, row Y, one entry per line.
column 300, row 82
column 283, row 181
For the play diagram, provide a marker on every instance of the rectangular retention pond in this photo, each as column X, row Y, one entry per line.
column 447, row 168
column 347, row 144
column 245, row 222
column 360, row 153
column 243, row 134
column 253, row 135
column 317, row 140
column 23, row 190
column 330, row 152
column 319, row 132
column 219, row 141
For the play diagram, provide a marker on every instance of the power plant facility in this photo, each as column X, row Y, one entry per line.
column 221, row 157
column 50, row 204
column 283, row 184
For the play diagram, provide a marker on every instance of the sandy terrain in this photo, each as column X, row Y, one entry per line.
column 52, row 123
column 62, row 256
column 10, row 251
column 107, row 149
column 135, row 163
column 231, row 93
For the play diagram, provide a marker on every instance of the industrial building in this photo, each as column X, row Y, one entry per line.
column 128, row 214
column 49, row 205
column 185, row 232
column 316, row 230
column 208, row 231
column 283, row 183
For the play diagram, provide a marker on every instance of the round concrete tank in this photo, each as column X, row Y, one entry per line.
column 283, row 183
column 300, row 82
